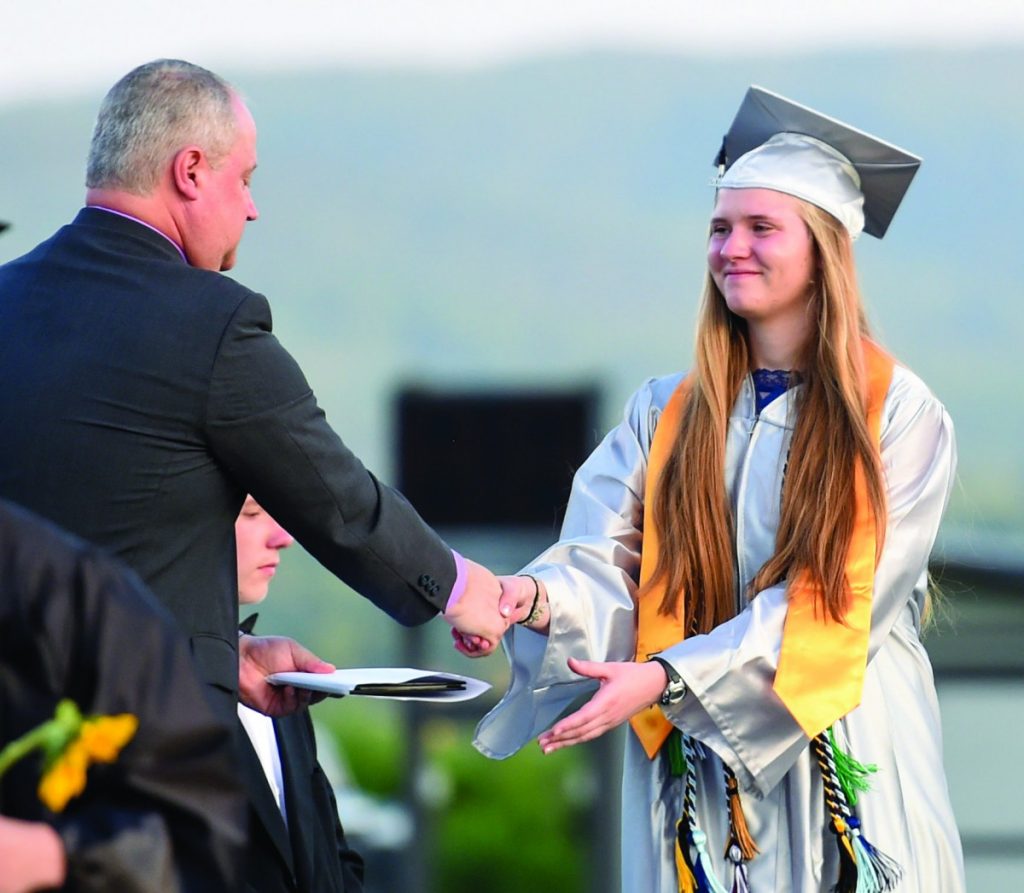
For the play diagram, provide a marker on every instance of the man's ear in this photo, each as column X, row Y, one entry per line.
column 187, row 169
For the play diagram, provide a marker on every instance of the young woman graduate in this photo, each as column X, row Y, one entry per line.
column 743, row 569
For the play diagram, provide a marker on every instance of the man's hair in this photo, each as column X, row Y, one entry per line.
column 149, row 115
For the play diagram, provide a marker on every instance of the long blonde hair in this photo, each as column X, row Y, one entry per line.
column 691, row 506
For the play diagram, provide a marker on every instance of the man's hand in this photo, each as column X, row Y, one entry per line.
column 517, row 600
column 476, row 618
column 626, row 688
column 258, row 657
column 31, row 856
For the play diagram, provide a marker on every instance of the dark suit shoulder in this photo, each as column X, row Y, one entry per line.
column 113, row 255
column 42, row 558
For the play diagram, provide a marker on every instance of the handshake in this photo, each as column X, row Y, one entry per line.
column 489, row 605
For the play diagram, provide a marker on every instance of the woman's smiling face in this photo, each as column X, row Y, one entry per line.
column 761, row 255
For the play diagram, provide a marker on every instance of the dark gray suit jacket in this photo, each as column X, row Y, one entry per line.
column 142, row 398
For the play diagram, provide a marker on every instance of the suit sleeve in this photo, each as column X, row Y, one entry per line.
column 265, row 427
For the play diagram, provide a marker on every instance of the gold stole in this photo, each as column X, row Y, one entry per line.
column 822, row 663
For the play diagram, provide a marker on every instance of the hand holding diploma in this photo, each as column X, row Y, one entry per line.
column 259, row 657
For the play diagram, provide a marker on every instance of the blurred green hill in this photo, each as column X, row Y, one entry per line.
column 541, row 225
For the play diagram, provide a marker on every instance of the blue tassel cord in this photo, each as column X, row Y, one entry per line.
column 885, row 870
column 703, row 868
column 694, row 866
column 862, row 867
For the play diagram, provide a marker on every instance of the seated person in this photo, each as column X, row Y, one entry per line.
column 296, row 842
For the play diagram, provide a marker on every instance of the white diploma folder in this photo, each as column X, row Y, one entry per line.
column 396, row 683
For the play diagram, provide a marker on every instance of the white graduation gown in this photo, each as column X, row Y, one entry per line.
column 591, row 578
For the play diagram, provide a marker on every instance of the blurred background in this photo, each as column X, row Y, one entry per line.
column 495, row 214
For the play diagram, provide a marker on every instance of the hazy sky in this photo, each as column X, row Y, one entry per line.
column 54, row 47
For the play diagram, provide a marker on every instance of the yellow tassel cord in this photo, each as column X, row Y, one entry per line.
column 687, row 882
column 847, row 882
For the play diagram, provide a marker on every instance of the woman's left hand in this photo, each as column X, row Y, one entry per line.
column 626, row 688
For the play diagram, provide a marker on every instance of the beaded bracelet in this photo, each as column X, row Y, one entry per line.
column 535, row 611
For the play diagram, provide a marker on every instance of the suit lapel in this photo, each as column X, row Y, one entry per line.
column 261, row 798
column 297, row 762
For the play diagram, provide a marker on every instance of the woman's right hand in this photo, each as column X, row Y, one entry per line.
column 518, row 593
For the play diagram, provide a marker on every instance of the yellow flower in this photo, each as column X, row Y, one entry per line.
column 70, row 743
column 104, row 736
column 99, row 740
column 65, row 778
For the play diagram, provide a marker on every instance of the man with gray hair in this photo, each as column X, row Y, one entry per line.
column 145, row 395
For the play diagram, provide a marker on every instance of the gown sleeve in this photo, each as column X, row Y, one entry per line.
column 591, row 577
column 732, row 707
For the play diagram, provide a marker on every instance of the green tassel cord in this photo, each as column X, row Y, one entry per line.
column 674, row 751
column 853, row 776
